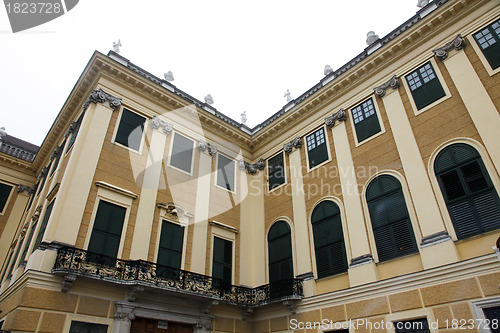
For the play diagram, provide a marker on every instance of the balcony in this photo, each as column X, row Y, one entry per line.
column 75, row 262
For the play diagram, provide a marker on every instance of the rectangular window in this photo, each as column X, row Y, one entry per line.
column 83, row 327
column 130, row 130
column 170, row 248
column 316, row 148
column 106, row 233
column 4, row 195
column 412, row 326
column 182, row 153
column 276, row 171
column 365, row 120
column 222, row 265
column 488, row 40
column 225, row 172
column 76, row 128
column 425, row 86
column 43, row 226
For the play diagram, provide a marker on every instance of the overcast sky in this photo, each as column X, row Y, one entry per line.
column 245, row 54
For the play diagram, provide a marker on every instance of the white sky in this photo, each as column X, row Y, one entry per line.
column 245, row 54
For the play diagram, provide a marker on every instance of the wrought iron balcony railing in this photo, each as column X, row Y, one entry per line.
column 143, row 273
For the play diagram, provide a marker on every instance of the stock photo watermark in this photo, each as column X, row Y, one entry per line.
column 26, row 14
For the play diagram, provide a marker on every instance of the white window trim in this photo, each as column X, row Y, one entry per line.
column 379, row 117
column 217, row 173
column 477, row 309
column 479, row 51
column 169, row 158
column 87, row 319
column 328, row 151
column 284, row 170
column 11, row 194
column 441, row 81
column 409, row 206
column 411, row 315
column 112, row 195
column 117, row 125
column 227, row 233
column 347, row 241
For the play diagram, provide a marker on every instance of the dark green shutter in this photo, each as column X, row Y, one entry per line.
column 488, row 40
column 83, row 327
column 182, row 153
column 276, row 171
column 280, row 252
column 43, row 226
column 366, row 122
column 107, row 231
column 331, row 257
column 4, row 195
column 391, row 224
column 472, row 201
column 225, row 172
column 170, row 247
column 317, row 151
column 222, row 264
column 426, row 91
column 130, row 130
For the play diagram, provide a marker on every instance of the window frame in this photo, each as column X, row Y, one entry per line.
column 216, row 178
column 89, row 319
column 440, row 78
column 171, row 147
column 184, row 239
column 119, row 198
column 228, row 233
column 285, row 178
column 478, row 312
column 327, row 147
column 344, row 236
column 9, row 197
column 480, row 50
column 292, row 247
column 117, row 126
column 358, row 143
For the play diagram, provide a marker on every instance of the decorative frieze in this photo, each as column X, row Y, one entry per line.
column 157, row 123
column 172, row 210
column 204, row 146
column 340, row 115
column 100, row 96
column 458, row 44
column 71, row 129
column 43, row 173
column 392, row 83
column 56, row 152
column 295, row 143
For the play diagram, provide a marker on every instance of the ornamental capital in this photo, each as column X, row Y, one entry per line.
column 458, row 44
column 203, row 146
column 100, row 96
column 339, row 115
column 157, row 123
column 392, row 83
column 295, row 143
column 255, row 167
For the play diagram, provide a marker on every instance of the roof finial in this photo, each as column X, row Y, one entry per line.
column 243, row 117
column 422, row 3
column 287, row 96
column 209, row 99
column 327, row 70
column 169, row 76
column 371, row 37
column 116, row 46
column 2, row 132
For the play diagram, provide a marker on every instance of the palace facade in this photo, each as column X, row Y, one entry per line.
column 368, row 204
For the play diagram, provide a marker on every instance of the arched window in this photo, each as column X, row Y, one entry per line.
column 280, row 252
column 329, row 243
column 390, row 220
column 472, row 201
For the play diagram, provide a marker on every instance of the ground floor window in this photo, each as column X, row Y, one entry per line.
column 83, row 327
column 412, row 326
